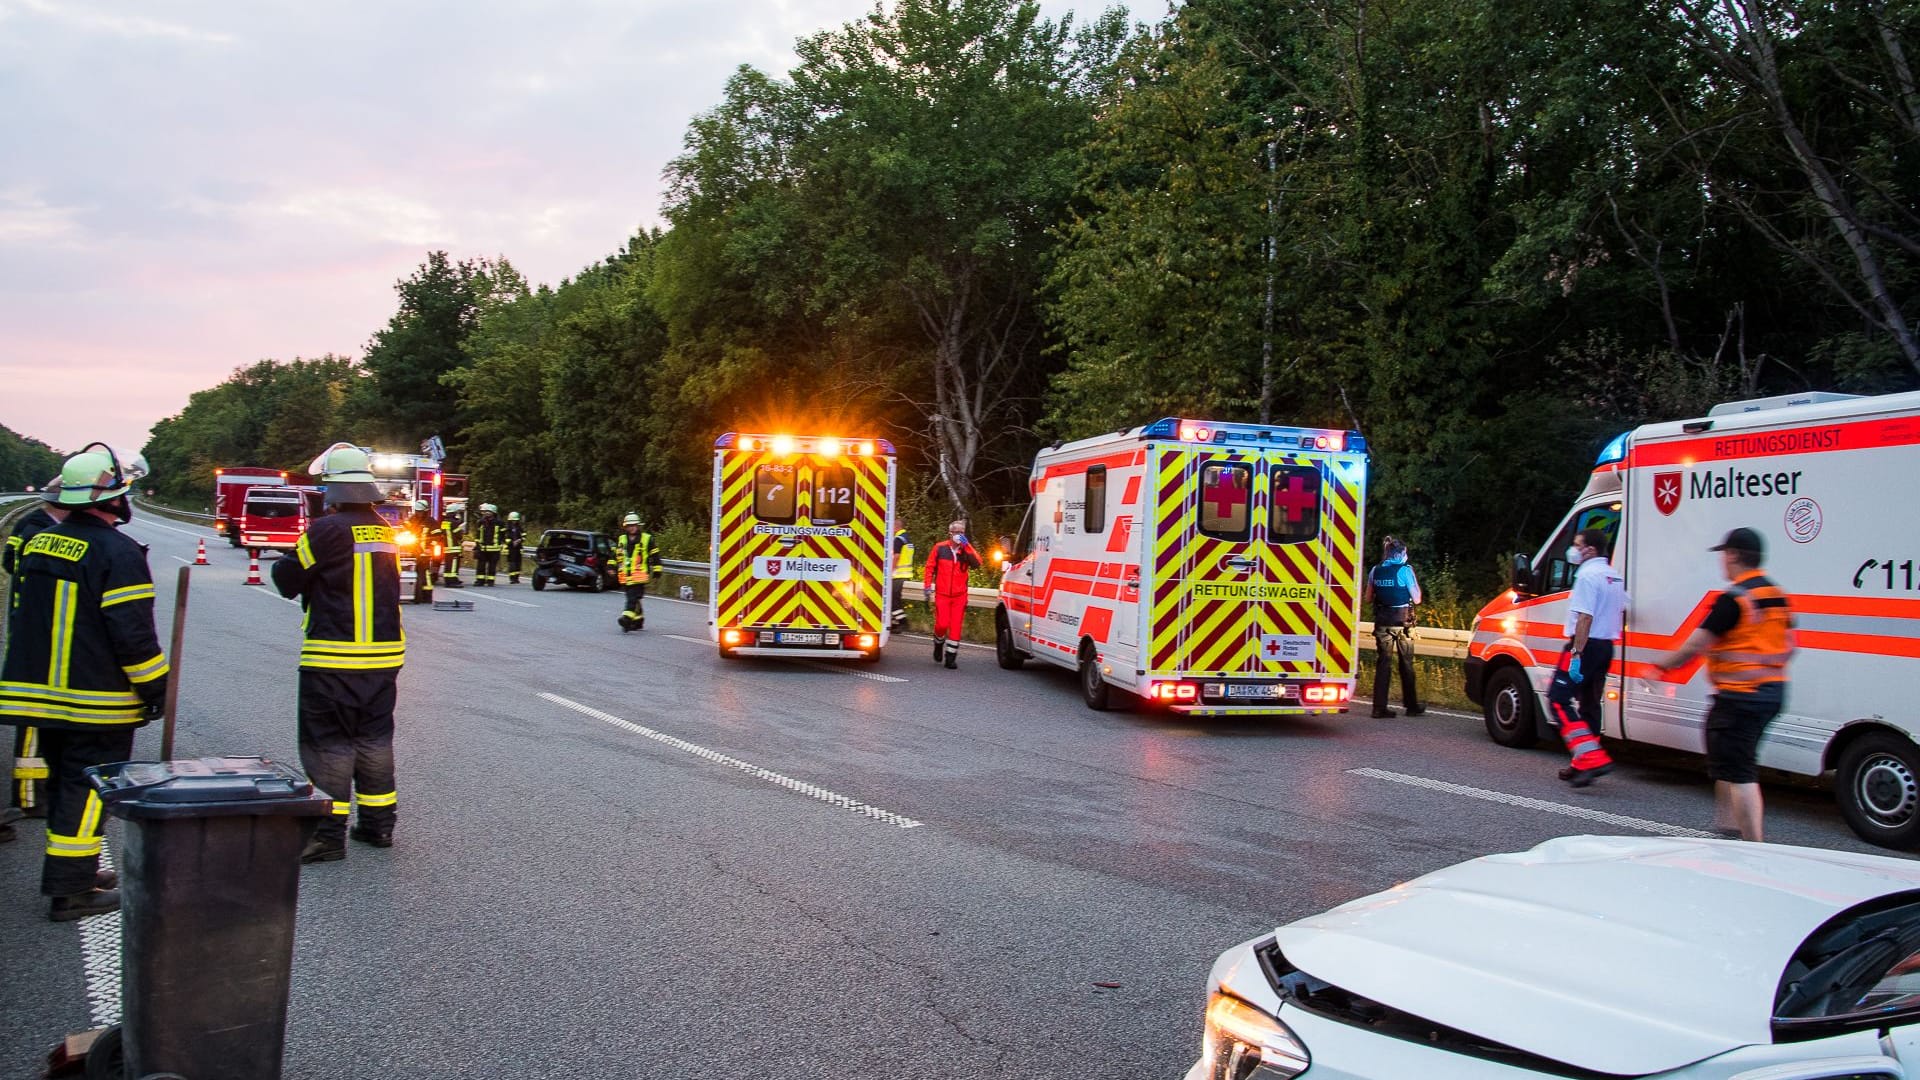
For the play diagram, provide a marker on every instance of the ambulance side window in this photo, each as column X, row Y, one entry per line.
column 1023, row 540
column 1096, row 512
column 1226, row 490
column 1557, row 575
column 833, row 496
column 1296, row 504
column 773, row 494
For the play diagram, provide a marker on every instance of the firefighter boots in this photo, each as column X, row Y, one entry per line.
column 318, row 850
column 81, row 905
column 375, row 837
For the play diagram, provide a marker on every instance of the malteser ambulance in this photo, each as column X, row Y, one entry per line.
column 1210, row 568
column 802, row 533
column 1828, row 482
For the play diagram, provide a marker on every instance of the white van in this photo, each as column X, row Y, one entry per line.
column 1828, row 481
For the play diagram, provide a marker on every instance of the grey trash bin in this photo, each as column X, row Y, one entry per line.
column 209, row 881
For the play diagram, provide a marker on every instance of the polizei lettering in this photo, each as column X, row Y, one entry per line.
column 1734, row 484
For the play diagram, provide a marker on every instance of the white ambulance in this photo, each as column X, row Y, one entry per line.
column 802, row 534
column 1828, row 482
column 1210, row 568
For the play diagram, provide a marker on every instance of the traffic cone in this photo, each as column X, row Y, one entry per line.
column 200, row 556
column 253, row 568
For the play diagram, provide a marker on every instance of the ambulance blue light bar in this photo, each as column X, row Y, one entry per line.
column 823, row 445
column 1615, row 450
column 1209, row 431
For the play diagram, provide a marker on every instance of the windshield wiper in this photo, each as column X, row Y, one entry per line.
column 1853, row 968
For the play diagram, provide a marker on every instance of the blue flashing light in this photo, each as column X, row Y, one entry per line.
column 1162, row 429
column 1615, row 450
column 725, row 442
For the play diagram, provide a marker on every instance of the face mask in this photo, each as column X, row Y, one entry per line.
column 1576, row 556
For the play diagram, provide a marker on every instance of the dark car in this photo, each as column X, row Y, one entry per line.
column 575, row 558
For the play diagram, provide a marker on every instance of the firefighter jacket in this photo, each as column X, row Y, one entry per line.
column 83, row 652
column 346, row 573
column 903, row 557
column 947, row 567
column 37, row 521
column 420, row 524
column 516, row 534
column 451, row 533
column 1755, row 651
column 490, row 535
column 635, row 561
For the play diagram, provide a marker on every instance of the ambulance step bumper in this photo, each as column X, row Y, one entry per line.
column 1258, row 710
column 792, row 652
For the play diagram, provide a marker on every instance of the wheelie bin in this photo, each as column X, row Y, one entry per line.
column 209, row 881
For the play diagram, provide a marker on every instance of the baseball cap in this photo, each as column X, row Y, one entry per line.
column 1745, row 540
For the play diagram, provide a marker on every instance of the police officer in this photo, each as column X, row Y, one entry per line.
column 451, row 536
column 489, row 540
column 346, row 574
column 27, row 792
column 1748, row 639
column 904, row 568
column 1394, row 592
column 516, row 537
column 636, row 562
column 83, row 665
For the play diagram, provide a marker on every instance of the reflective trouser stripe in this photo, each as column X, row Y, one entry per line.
column 85, row 843
column 1581, row 742
column 341, row 809
column 30, row 768
column 388, row 799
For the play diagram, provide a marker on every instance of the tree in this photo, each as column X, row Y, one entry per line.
column 407, row 396
column 25, row 462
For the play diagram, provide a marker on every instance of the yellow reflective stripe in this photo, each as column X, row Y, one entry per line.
column 341, row 808
column 68, row 693
column 304, row 552
column 388, row 799
column 73, row 847
column 60, row 656
column 335, row 664
column 30, row 768
column 126, row 595
column 352, row 647
column 90, row 817
column 363, row 597
column 148, row 671
column 36, row 710
column 30, row 741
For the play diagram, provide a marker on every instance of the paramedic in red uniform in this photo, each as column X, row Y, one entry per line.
column 946, row 581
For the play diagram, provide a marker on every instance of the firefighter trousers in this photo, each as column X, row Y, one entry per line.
column 346, row 746
column 1393, row 647
column 74, row 812
column 636, row 595
column 28, row 791
column 486, row 562
column 1575, row 707
column 513, row 562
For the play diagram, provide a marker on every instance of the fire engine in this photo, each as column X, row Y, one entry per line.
column 801, row 545
column 407, row 478
column 1210, row 568
column 1825, row 480
column 230, row 486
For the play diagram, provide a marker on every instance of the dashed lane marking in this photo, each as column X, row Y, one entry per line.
column 810, row 790
column 688, row 640
column 1660, row 828
column 100, row 958
column 200, row 533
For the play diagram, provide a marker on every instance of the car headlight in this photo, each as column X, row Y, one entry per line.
column 1244, row 1043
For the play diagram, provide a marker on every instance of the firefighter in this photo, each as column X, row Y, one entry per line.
column 516, row 537
column 451, row 536
column 1395, row 592
column 489, row 540
column 636, row 562
column 946, row 585
column 426, row 558
column 27, row 791
column 904, row 565
column 347, row 577
column 83, row 665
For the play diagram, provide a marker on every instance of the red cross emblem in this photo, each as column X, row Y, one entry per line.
column 1666, row 492
column 1296, row 499
column 1273, row 647
column 1228, row 491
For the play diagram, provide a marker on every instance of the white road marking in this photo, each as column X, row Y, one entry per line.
column 788, row 782
column 200, row 534
column 268, row 590
column 839, row 667
column 1563, row 809
column 100, row 958
column 495, row 599
column 688, row 640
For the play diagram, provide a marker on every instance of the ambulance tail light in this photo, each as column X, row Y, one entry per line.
column 731, row 637
column 1195, row 433
column 1327, row 694
column 865, row 642
column 1173, row 692
column 828, row 447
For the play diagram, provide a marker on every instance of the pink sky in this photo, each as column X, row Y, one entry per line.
column 193, row 186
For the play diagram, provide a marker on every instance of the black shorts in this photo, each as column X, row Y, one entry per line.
column 1735, row 723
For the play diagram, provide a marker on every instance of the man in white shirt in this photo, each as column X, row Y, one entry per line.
column 1595, row 613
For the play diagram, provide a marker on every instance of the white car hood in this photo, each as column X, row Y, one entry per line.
column 1616, row 954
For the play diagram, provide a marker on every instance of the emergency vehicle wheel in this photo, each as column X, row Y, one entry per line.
column 1093, row 685
column 539, row 583
column 233, row 538
column 1003, row 650
column 1509, row 709
column 1878, row 784
column 106, row 1058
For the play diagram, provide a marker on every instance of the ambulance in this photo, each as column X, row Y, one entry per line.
column 1828, row 482
column 1209, row 568
column 802, row 534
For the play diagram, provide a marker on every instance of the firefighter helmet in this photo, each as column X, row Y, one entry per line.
column 420, row 505
column 489, row 508
column 92, row 476
column 50, row 491
column 513, row 515
column 631, row 519
column 346, row 472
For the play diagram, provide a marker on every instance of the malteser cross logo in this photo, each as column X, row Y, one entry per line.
column 773, row 567
column 1666, row 492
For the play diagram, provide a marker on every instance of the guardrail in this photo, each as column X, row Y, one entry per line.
column 168, row 511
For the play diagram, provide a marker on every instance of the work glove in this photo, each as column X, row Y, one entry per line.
column 153, row 710
column 1573, row 672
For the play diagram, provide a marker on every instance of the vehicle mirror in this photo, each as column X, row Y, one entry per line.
column 1523, row 574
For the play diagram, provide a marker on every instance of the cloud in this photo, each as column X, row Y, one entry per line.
column 25, row 218
column 125, row 26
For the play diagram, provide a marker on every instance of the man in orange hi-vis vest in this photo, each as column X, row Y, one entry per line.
column 1748, row 639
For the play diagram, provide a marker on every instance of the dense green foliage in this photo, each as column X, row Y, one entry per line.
column 1487, row 235
column 25, row 462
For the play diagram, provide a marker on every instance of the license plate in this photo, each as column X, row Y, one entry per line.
column 788, row 637
column 1265, row 691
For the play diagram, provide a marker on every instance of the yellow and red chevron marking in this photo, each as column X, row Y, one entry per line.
column 747, row 601
column 1223, row 637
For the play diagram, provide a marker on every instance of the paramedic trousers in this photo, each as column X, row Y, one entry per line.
column 1393, row 646
column 28, row 791
column 636, row 594
column 513, row 562
column 949, row 616
column 346, row 746
column 485, row 562
column 74, row 812
column 1575, row 707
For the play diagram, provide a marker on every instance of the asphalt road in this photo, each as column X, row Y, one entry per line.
column 689, row 867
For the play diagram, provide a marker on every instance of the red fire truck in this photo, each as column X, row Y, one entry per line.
column 230, row 486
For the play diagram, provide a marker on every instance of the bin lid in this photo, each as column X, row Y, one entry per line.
column 207, row 787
